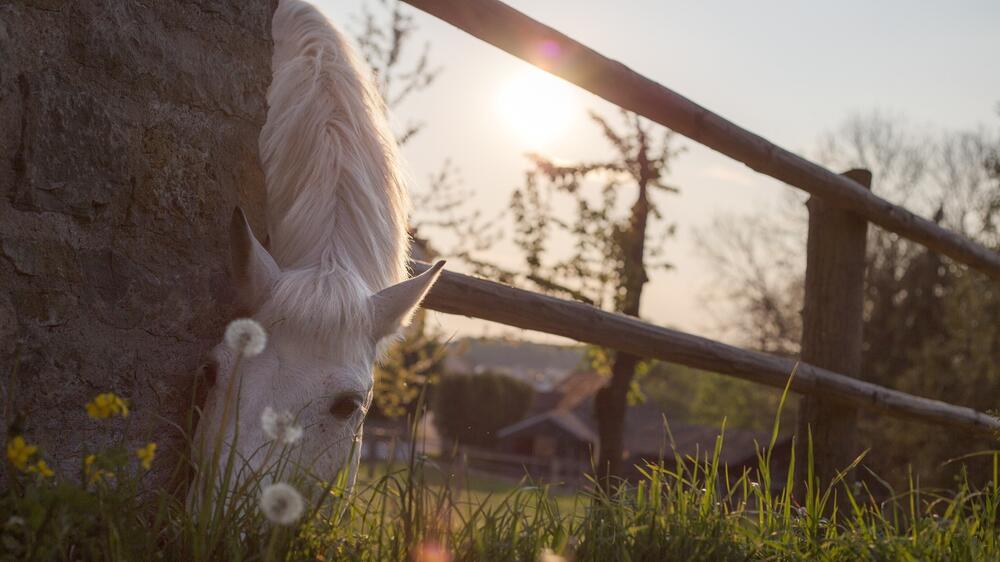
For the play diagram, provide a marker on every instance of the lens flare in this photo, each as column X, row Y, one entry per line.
column 538, row 107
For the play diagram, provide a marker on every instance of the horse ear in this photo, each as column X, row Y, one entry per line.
column 254, row 270
column 395, row 305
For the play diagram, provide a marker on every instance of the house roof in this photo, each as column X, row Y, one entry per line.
column 564, row 419
column 559, row 406
column 541, row 365
column 577, row 388
column 570, row 407
column 646, row 434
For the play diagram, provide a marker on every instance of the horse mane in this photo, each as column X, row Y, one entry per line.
column 336, row 192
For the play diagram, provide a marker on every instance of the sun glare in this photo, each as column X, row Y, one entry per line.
column 537, row 107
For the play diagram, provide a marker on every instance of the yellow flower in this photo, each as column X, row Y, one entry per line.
column 19, row 451
column 146, row 455
column 42, row 469
column 94, row 474
column 106, row 405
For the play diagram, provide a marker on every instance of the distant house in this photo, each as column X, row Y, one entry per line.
column 562, row 428
column 540, row 365
column 556, row 434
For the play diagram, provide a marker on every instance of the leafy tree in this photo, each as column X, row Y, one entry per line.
column 471, row 408
column 689, row 395
column 407, row 369
column 959, row 364
column 960, row 361
column 911, row 294
column 440, row 206
column 610, row 259
column 385, row 39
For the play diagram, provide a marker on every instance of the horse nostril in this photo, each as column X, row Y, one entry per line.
column 345, row 407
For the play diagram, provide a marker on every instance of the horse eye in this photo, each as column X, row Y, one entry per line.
column 208, row 372
column 344, row 407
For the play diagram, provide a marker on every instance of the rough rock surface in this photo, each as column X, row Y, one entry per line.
column 128, row 131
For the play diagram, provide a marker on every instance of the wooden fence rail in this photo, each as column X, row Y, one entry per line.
column 461, row 294
column 510, row 30
column 835, row 275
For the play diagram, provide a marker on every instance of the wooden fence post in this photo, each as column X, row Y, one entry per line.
column 832, row 323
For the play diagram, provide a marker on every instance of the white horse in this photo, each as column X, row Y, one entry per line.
column 331, row 287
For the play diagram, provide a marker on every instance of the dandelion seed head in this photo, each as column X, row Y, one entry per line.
column 280, row 426
column 246, row 336
column 281, row 504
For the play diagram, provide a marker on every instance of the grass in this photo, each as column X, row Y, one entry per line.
column 471, row 490
column 684, row 509
column 679, row 512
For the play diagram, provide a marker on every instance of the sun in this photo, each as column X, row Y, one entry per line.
column 537, row 107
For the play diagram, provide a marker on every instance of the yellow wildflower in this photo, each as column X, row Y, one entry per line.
column 146, row 455
column 94, row 474
column 42, row 469
column 19, row 451
column 106, row 405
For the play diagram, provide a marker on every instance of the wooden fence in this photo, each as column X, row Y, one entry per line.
column 392, row 445
column 840, row 209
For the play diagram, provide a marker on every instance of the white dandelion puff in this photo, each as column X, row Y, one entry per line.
column 280, row 426
column 281, row 504
column 246, row 336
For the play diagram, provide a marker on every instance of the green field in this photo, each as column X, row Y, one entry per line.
column 422, row 511
column 416, row 511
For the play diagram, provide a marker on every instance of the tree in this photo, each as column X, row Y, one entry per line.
column 692, row 396
column 385, row 40
column 471, row 408
column 960, row 361
column 908, row 291
column 440, row 206
column 610, row 258
column 759, row 281
column 408, row 369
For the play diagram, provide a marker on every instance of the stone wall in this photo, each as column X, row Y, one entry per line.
column 128, row 131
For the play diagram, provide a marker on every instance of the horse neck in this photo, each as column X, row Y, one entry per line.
column 336, row 194
column 345, row 230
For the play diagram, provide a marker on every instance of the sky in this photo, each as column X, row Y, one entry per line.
column 787, row 70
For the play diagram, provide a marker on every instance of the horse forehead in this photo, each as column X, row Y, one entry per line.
column 342, row 350
column 329, row 364
column 322, row 305
column 358, row 377
column 308, row 383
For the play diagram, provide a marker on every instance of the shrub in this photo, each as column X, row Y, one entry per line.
column 470, row 409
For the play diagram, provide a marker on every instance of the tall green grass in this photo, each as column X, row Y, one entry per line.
column 680, row 509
